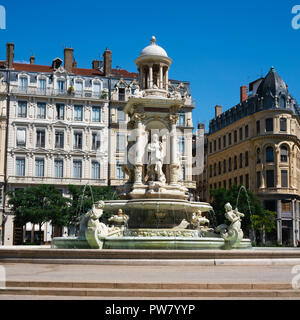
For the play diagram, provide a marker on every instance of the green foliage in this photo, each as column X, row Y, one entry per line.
column 38, row 205
column 83, row 197
column 265, row 222
column 222, row 196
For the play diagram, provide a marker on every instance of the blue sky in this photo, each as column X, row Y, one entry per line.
column 216, row 45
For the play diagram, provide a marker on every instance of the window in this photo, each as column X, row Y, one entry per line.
column 258, row 179
column 230, row 183
column 42, row 85
column 269, row 154
column 269, row 124
column 122, row 94
column 181, row 119
column 181, row 144
column 230, row 165
column 21, row 137
column 241, row 134
column 58, row 168
column 229, row 138
column 121, row 142
column 40, row 138
column 95, row 170
column 215, row 186
column 220, row 184
column 96, row 114
column 23, row 83
column 241, row 180
column 78, row 87
column 210, row 147
column 224, row 184
column 235, row 163
column 220, row 168
column 210, row 171
column 283, row 124
column 235, row 136
column 95, row 141
column 235, row 181
column 219, row 143
column 224, row 166
column 96, row 89
column 215, row 145
column 121, row 115
column 257, row 127
column 224, row 141
column 119, row 172
column 60, row 111
column 61, row 86
column 78, row 140
column 283, row 154
column 41, row 110
column 284, row 178
column 59, row 139
column 39, row 167
column 241, row 160
column 285, row 206
column 215, row 169
column 246, row 131
column 77, row 169
column 20, row 167
column 270, row 178
column 247, row 181
column 246, row 159
column 22, row 109
column 78, row 110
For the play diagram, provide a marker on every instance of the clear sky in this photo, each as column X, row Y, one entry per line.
column 216, row 45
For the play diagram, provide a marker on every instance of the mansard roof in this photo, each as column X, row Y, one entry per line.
column 272, row 93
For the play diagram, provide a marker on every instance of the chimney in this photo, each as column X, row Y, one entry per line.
column 244, row 93
column 32, row 59
column 107, row 62
column 218, row 111
column 10, row 48
column 95, row 64
column 201, row 126
column 74, row 64
column 69, row 59
column 101, row 65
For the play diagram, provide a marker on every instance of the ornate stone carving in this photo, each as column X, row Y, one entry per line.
column 232, row 234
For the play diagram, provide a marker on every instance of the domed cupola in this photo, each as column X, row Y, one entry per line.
column 272, row 85
column 153, row 64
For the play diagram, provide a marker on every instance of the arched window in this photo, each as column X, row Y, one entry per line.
column 283, row 154
column 269, row 154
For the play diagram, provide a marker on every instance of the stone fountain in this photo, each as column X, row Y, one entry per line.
column 154, row 212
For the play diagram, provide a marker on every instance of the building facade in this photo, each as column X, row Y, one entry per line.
column 256, row 144
column 64, row 125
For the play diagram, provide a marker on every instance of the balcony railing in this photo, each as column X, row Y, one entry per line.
column 58, row 93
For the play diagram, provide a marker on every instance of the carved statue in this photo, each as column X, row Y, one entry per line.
column 95, row 229
column 183, row 225
column 120, row 219
column 233, row 233
column 156, row 157
column 199, row 222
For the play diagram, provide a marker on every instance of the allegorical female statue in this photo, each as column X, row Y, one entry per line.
column 156, row 158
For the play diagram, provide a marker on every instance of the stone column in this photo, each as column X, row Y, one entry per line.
column 174, row 162
column 167, row 79
column 150, row 77
column 138, row 117
column 161, row 77
column 294, row 222
column 279, row 224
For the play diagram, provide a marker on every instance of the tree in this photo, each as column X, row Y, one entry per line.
column 38, row 205
column 83, row 197
column 264, row 223
column 249, row 206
